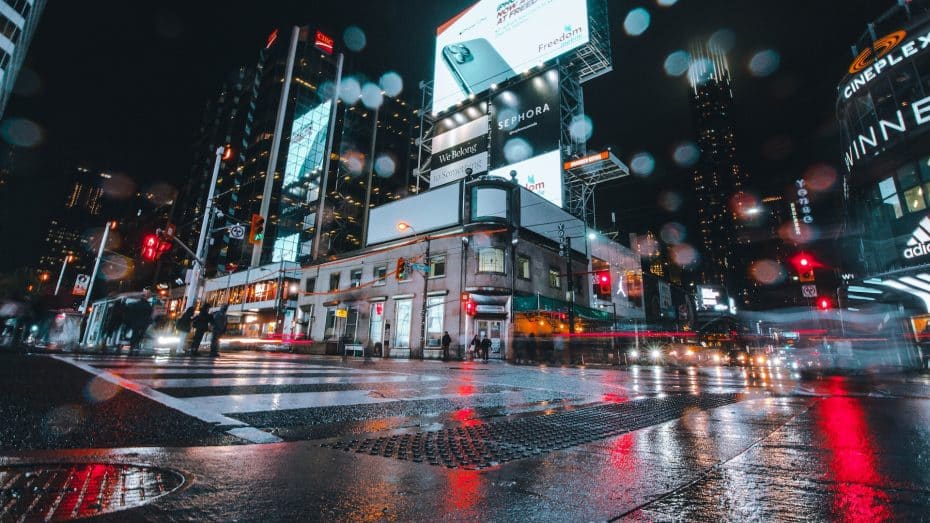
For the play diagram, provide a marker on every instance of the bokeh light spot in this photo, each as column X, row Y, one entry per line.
column 350, row 90
column 581, row 128
column 642, row 164
column 723, row 40
column 21, row 132
column 767, row 272
column 676, row 63
column 385, row 166
column 371, row 96
column 686, row 154
column 764, row 63
column 637, row 21
column 354, row 38
column 391, row 83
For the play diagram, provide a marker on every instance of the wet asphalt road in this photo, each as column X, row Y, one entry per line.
column 554, row 444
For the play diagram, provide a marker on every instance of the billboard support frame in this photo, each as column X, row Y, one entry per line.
column 425, row 140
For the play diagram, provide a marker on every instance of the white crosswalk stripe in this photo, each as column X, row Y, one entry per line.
column 216, row 390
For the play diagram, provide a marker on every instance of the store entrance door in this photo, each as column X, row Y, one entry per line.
column 493, row 329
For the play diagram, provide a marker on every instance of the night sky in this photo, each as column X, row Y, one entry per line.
column 122, row 88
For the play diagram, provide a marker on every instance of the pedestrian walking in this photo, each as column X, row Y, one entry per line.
column 183, row 327
column 219, row 324
column 474, row 347
column 485, row 348
column 446, row 342
column 139, row 317
column 201, row 324
column 115, row 318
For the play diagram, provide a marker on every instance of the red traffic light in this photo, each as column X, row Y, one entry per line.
column 603, row 283
column 824, row 304
column 150, row 247
column 804, row 262
column 470, row 308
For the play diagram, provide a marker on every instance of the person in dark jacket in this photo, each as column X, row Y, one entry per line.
column 475, row 347
column 446, row 343
column 139, row 317
column 220, row 322
column 183, row 326
column 201, row 324
column 485, row 348
column 115, row 319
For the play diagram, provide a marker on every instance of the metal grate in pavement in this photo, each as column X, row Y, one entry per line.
column 477, row 445
column 65, row 492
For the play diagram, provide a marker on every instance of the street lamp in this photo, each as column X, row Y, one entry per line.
column 68, row 258
column 404, row 227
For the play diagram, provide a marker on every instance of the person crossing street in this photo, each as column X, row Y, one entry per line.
column 220, row 322
column 201, row 324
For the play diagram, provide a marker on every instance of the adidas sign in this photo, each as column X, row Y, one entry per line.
column 919, row 244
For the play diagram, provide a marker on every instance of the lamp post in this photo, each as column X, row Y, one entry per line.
column 193, row 288
column 61, row 274
column 403, row 227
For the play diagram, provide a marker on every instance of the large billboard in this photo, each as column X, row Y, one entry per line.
column 495, row 40
column 525, row 134
column 460, row 142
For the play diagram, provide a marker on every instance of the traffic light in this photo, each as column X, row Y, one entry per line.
column 150, row 245
column 805, row 264
column 401, row 271
column 470, row 308
column 603, row 283
column 824, row 303
column 256, row 229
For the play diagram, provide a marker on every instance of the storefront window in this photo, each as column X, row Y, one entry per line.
column 351, row 329
column 914, row 199
column 402, row 310
column 434, row 316
column 375, row 329
column 491, row 259
column 890, row 196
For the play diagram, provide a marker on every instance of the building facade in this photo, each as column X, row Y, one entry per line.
column 18, row 22
column 883, row 107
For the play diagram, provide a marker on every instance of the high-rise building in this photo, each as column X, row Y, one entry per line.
column 718, row 178
column 18, row 21
column 261, row 126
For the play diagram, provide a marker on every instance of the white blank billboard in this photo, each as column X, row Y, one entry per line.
column 425, row 212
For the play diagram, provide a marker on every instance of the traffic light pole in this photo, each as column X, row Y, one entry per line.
column 193, row 288
column 61, row 274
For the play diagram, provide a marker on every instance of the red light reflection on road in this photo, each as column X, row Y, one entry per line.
column 853, row 461
column 466, row 390
column 614, row 398
column 466, row 490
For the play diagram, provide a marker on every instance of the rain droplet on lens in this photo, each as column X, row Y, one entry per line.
column 385, row 166
column 764, row 63
column 723, row 40
column 354, row 38
column 642, row 164
column 686, row 154
column 371, row 96
column 350, row 90
column 391, row 83
column 581, row 128
column 637, row 21
column 517, row 150
column 676, row 63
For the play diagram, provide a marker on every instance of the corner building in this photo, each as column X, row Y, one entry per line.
column 883, row 107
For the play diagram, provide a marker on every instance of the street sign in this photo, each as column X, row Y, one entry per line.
column 342, row 313
column 80, row 285
column 420, row 267
column 237, row 232
column 809, row 291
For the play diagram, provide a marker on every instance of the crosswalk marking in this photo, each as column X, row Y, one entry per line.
column 155, row 378
column 242, row 382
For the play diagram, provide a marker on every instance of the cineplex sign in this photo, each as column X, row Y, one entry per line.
column 885, row 53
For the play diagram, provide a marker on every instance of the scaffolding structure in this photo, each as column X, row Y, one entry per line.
column 582, row 176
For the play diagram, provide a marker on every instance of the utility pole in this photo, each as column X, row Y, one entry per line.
column 570, row 286
column 193, row 288
column 93, row 275
column 425, row 290
column 371, row 170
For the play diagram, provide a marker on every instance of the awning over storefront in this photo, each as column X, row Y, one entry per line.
column 544, row 304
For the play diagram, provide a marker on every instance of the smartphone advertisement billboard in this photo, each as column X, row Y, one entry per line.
column 460, row 143
column 495, row 40
column 525, row 133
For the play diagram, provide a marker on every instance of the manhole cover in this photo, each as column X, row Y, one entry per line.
column 63, row 492
column 477, row 445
